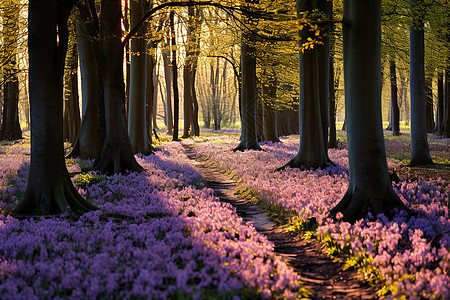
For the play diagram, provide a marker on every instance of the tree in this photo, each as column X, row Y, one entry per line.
column 176, row 99
column 49, row 189
column 10, row 126
column 395, row 111
column 313, row 106
column 249, row 139
column 87, row 144
column 419, row 145
column 137, row 124
column 116, row 155
column 370, row 188
column 269, row 92
column 71, row 119
column 168, row 80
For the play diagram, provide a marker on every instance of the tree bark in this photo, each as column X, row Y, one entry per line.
column 440, row 104
column 187, row 101
column 313, row 104
column 194, row 34
column 370, row 189
column 117, row 155
column 429, row 104
column 395, row 111
column 446, row 130
column 137, row 123
column 168, row 80
column 72, row 118
column 332, row 142
column 87, row 144
column 150, row 93
column 269, row 113
column 10, row 126
column 419, row 145
column 176, row 99
column 49, row 189
column 249, row 138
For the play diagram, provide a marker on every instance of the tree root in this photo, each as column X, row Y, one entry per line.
column 357, row 205
column 52, row 198
column 116, row 160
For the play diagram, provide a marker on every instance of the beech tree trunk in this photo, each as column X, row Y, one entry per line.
column 446, row 125
column 87, row 145
column 249, row 95
column 395, row 111
column 150, row 93
column 419, row 145
column 168, row 80
column 269, row 113
column 332, row 141
column 176, row 99
column 440, row 104
column 117, row 155
column 313, row 104
column 137, row 124
column 370, row 188
column 429, row 104
column 194, row 26
column 49, row 189
column 187, row 101
column 72, row 118
column 10, row 125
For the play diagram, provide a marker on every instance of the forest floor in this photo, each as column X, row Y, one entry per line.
column 327, row 278
column 318, row 272
column 407, row 257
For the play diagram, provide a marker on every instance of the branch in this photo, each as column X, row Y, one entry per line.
column 228, row 9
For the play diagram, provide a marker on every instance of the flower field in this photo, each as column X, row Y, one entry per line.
column 167, row 237
column 161, row 234
column 407, row 257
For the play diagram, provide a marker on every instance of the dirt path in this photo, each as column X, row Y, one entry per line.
column 325, row 278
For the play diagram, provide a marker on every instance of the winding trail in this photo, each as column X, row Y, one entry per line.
column 318, row 272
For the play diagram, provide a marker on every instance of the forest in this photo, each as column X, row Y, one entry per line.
column 154, row 149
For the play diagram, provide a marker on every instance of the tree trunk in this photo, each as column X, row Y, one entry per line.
column 187, row 101
column 72, row 118
column 49, row 189
column 137, row 123
column 117, row 155
column 440, row 104
column 370, row 189
column 429, row 104
column 419, row 145
column 176, row 99
column 87, row 144
column 395, row 111
column 168, row 80
column 150, row 88
column 249, row 139
column 446, row 130
column 269, row 113
column 332, row 142
column 194, row 33
column 195, row 125
column 313, row 104
column 10, row 125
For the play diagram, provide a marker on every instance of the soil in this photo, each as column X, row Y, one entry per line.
column 318, row 272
